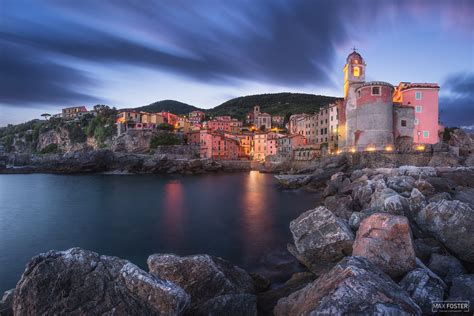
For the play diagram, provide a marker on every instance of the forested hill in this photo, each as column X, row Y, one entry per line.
column 273, row 103
column 173, row 106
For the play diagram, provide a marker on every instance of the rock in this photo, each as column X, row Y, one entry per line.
column 340, row 205
column 440, row 196
column 204, row 277
column 424, row 187
column 229, row 304
column 463, row 289
column 356, row 218
column 416, row 202
column 452, row 223
column 466, row 195
column 261, row 283
column 425, row 247
column 353, row 286
column 423, row 288
column 386, row 241
column 417, row 172
column 267, row 300
column 377, row 201
column 6, row 303
column 401, row 183
column 78, row 281
column 395, row 204
column 444, row 159
column 446, row 266
column 361, row 195
column 321, row 239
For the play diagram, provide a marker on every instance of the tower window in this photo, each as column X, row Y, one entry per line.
column 376, row 91
column 416, row 122
column 418, row 95
column 358, row 94
column 426, row 134
column 403, row 123
column 418, row 109
column 356, row 71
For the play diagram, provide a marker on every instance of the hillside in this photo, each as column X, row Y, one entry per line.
column 173, row 106
column 273, row 103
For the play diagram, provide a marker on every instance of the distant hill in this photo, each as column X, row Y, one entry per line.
column 173, row 106
column 273, row 103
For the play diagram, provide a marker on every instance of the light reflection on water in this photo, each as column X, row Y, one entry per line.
column 242, row 217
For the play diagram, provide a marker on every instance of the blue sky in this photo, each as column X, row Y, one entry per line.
column 132, row 53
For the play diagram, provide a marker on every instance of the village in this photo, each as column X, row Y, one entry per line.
column 372, row 116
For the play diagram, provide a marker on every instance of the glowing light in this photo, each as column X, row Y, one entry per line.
column 338, row 152
column 356, row 71
column 420, row 147
column 370, row 148
column 353, row 150
column 388, row 148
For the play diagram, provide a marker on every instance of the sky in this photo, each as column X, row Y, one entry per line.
column 59, row 53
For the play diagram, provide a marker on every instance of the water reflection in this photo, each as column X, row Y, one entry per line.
column 173, row 217
column 257, row 222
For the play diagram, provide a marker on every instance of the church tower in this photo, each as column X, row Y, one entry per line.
column 354, row 71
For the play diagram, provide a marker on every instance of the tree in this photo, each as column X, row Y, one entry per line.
column 45, row 115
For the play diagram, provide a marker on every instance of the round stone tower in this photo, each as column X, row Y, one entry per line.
column 372, row 123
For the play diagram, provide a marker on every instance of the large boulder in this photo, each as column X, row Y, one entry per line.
column 78, row 281
column 424, row 187
column 321, row 239
column 211, row 281
column 340, row 205
column 361, row 194
column 353, row 286
column 401, row 183
column 426, row 247
column 423, row 287
column 452, row 223
column 386, row 241
column 446, row 266
column 462, row 289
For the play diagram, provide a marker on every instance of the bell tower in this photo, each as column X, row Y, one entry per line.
column 354, row 71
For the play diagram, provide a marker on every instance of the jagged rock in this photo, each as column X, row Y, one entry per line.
column 321, row 239
column 385, row 240
column 205, row 278
column 425, row 247
column 423, row 288
column 377, row 201
column 444, row 159
column 447, row 267
column 340, row 205
column 395, row 204
column 416, row 202
column 462, row 289
column 466, row 195
column 452, row 223
column 78, row 281
column 356, row 218
column 353, row 286
column 361, row 195
column 424, row 187
column 229, row 304
column 6, row 303
column 260, row 282
column 267, row 300
column 401, row 183
column 378, row 184
column 440, row 196
column 417, row 172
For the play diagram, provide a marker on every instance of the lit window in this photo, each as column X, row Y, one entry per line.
column 416, row 122
column 426, row 134
column 356, row 71
column 418, row 109
column 418, row 95
column 375, row 90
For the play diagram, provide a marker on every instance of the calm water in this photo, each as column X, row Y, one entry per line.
column 240, row 217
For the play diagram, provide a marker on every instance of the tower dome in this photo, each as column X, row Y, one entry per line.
column 354, row 58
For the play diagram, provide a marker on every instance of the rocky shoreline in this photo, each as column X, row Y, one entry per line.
column 384, row 241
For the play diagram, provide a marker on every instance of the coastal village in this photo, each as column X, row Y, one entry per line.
column 372, row 116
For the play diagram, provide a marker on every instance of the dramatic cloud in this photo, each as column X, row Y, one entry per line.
column 457, row 102
column 48, row 46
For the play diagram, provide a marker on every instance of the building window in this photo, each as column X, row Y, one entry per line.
column 358, row 94
column 356, row 71
column 418, row 109
column 418, row 95
column 403, row 123
column 416, row 122
column 426, row 134
column 375, row 90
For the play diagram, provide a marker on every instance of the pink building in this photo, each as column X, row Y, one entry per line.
column 223, row 124
column 215, row 145
column 423, row 97
column 287, row 144
column 196, row 117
